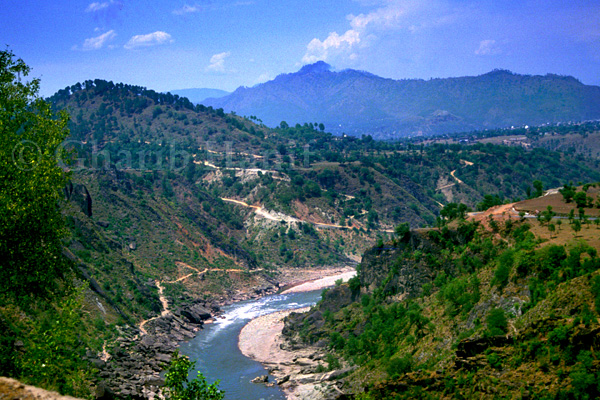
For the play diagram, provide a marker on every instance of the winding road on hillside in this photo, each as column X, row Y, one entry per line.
column 277, row 216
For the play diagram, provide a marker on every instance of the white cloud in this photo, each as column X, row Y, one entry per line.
column 487, row 47
column 94, row 7
column 386, row 16
column 217, row 62
column 151, row 39
column 187, row 9
column 98, row 42
column 320, row 50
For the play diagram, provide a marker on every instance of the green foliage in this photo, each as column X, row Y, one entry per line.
column 568, row 192
column 332, row 361
column 497, row 324
column 580, row 199
column 177, row 386
column 31, row 226
column 539, row 188
column 400, row 365
column 494, row 360
column 53, row 352
column 460, row 295
column 502, row 272
column 402, row 231
column 354, row 284
column 585, row 383
column 596, row 292
column 489, row 201
column 453, row 211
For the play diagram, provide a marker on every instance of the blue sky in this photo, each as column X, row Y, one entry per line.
column 167, row 45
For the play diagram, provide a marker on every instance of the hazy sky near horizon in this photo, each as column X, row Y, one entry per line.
column 223, row 44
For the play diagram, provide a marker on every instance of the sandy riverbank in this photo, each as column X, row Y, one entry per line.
column 261, row 340
column 321, row 283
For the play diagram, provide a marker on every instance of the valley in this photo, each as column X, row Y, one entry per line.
column 141, row 223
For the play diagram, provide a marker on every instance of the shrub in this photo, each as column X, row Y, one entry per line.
column 400, row 365
column 596, row 291
column 505, row 263
column 494, row 360
column 497, row 323
column 332, row 362
column 354, row 284
column 177, row 386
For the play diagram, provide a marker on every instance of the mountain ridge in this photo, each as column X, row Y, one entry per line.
column 357, row 102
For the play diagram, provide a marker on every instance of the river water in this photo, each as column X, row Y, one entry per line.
column 215, row 348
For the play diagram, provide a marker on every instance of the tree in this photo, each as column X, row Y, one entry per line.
column 580, row 199
column 497, row 323
column 539, row 188
column 567, row 192
column 547, row 215
column 403, row 232
column 489, row 201
column 452, row 211
column 177, row 386
column 576, row 225
column 31, row 183
column 551, row 229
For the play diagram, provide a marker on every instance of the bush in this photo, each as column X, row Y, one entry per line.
column 505, row 264
column 497, row 323
column 177, row 386
column 332, row 362
column 596, row 291
column 399, row 365
column 494, row 360
column 354, row 284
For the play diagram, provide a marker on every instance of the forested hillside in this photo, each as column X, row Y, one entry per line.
column 495, row 306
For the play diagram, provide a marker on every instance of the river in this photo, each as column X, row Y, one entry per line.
column 216, row 353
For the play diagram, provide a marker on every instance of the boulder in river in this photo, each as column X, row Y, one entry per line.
column 196, row 314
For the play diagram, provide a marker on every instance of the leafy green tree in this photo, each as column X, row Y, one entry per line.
column 489, row 201
column 580, row 198
column 576, row 225
column 539, row 188
column 177, row 386
column 31, row 181
column 496, row 322
column 547, row 215
column 567, row 192
column 54, row 353
column 403, row 232
column 453, row 211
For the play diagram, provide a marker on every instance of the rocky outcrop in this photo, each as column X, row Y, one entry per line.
column 196, row 314
column 78, row 194
column 136, row 360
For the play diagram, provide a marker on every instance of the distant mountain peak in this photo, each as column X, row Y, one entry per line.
column 357, row 102
column 316, row 68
